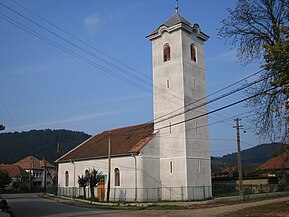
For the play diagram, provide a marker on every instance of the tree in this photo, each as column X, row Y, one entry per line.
column 94, row 178
column 83, row 181
column 4, row 179
column 259, row 29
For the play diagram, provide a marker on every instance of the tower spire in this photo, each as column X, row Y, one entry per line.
column 177, row 6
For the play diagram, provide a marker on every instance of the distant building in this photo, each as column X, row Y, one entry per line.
column 20, row 178
column 37, row 168
column 165, row 159
column 280, row 162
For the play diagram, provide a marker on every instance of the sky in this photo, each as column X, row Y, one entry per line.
column 46, row 82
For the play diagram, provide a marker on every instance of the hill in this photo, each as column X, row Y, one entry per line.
column 40, row 143
column 252, row 156
column 43, row 143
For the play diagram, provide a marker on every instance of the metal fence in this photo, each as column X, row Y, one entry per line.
column 165, row 193
column 224, row 190
column 139, row 194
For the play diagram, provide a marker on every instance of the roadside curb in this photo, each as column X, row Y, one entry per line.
column 144, row 205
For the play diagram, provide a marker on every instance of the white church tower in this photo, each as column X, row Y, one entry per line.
column 179, row 87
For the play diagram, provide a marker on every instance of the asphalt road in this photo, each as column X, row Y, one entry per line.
column 30, row 205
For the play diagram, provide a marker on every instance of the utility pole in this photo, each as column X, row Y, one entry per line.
column 45, row 177
column 57, row 167
column 30, row 165
column 109, row 166
column 239, row 159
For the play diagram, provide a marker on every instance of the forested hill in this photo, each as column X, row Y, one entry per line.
column 40, row 143
column 43, row 143
column 252, row 156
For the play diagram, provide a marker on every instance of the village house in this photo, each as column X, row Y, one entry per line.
column 161, row 160
column 19, row 177
column 277, row 169
column 37, row 169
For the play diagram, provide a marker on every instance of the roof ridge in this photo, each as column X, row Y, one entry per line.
column 120, row 128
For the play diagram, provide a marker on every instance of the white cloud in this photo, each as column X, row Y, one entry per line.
column 92, row 21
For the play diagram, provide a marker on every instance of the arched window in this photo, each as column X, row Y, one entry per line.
column 167, row 52
column 193, row 53
column 66, row 178
column 116, row 177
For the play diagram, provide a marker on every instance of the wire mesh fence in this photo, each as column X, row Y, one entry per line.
column 164, row 193
column 225, row 190
column 135, row 194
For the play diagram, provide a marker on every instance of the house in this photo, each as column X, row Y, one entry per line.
column 277, row 169
column 37, row 168
column 20, row 178
column 280, row 162
column 164, row 159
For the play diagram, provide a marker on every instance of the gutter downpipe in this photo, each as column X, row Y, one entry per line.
column 73, row 191
column 135, row 176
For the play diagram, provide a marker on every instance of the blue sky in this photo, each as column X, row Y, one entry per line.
column 44, row 87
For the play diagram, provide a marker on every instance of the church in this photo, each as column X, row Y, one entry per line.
column 166, row 159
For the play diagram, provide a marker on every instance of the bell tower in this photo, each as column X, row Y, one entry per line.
column 179, row 86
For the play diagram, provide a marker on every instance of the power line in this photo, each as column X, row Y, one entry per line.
column 11, row 116
column 91, row 46
column 218, row 91
column 71, row 52
column 216, row 110
column 92, row 54
column 213, row 100
column 104, row 69
column 83, row 49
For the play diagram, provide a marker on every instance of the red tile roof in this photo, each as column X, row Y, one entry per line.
column 124, row 141
column 230, row 169
column 31, row 162
column 280, row 162
column 13, row 170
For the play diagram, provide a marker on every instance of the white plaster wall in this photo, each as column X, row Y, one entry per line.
column 124, row 164
column 172, row 139
column 150, row 164
column 198, row 150
column 180, row 144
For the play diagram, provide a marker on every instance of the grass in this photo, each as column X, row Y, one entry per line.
column 269, row 210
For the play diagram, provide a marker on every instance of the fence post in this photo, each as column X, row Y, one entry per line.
column 170, row 193
column 204, row 192
column 114, row 192
column 182, row 192
column 147, row 194
column 193, row 192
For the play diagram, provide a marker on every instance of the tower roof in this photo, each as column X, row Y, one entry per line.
column 176, row 19
column 175, row 22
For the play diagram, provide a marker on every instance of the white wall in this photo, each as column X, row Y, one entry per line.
column 126, row 165
column 179, row 145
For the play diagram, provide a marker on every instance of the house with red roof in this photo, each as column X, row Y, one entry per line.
column 20, row 178
column 280, row 162
column 38, row 170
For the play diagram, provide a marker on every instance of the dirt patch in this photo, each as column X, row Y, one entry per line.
column 279, row 209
